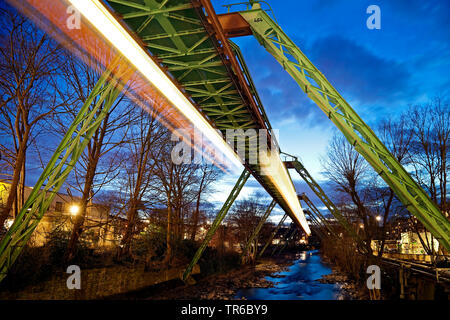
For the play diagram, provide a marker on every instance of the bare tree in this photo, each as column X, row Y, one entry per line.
column 429, row 154
column 245, row 217
column 208, row 174
column 396, row 136
column 29, row 61
column 101, row 160
column 144, row 149
column 348, row 170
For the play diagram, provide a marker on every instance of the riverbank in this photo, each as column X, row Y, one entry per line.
column 350, row 289
column 225, row 286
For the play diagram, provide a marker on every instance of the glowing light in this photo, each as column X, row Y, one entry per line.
column 279, row 176
column 110, row 28
column 74, row 209
column 378, row 218
column 361, row 226
column 113, row 31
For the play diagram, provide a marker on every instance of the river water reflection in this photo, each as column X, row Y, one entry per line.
column 298, row 282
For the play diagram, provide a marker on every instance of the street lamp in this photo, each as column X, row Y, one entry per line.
column 74, row 209
column 378, row 218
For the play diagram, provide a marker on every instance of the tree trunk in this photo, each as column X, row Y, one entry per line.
column 20, row 162
column 196, row 212
column 77, row 229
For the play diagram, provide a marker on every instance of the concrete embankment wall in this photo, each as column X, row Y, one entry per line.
column 96, row 283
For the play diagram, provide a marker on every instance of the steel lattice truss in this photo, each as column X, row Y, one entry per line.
column 357, row 132
column 182, row 38
column 190, row 43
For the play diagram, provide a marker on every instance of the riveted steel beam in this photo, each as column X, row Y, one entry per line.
column 315, row 187
column 258, row 227
column 217, row 221
column 269, row 241
column 356, row 131
column 317, row 213
column 78, row 135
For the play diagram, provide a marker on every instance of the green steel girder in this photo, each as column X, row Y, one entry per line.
column 269, row 241
column 288, row 238
column 358, row 133
column 258, row 227
column 171, row 31
column 314, row 220
column 317, row 227
column 283, row 236
column 316, row 212
column 78, row 135
column 315, row 187
column 174, row 31
column 217, row 221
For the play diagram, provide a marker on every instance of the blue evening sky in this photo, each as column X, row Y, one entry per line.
column 379, row 72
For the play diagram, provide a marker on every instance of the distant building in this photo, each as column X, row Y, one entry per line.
column 101, row 229
column 411, row 244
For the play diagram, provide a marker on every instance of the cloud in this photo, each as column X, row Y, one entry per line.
column 281, row 96
column 358, row 73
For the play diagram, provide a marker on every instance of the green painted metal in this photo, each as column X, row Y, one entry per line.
column 283, row 236
column 288, row 239
column 358, row 133
column 318, row 215
column 89, row 118
column 174, row 32
column 178, row 34
column 258, row 227
column 315, row 187
column 269, row 241
column 217, row 221
column 317, row 224
column 317, row 228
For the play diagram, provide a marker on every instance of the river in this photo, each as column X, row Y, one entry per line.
column 299, row 282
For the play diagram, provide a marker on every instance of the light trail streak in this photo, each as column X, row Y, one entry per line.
column 120, row 39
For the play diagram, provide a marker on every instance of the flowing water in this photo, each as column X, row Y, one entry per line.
column 298, row 282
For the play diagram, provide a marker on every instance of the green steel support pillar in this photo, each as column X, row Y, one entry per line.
column 258, row 227
column 273, row 235
column 317, row 225
column 89, row 118
column 314, row 186
column 319, row 216
column 285, row 237
column 288, row 239
column 319, row 233
column 356, row 131
column 217, row 221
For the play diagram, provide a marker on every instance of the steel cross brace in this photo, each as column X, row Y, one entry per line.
column 285, row 236
column 357, row 132
column 314, row 186
column 319, row 216
column 78, row 135
column 269, row 241
column 217, row 221
column 258, row 227
column 317, row 225
column 288, row 239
